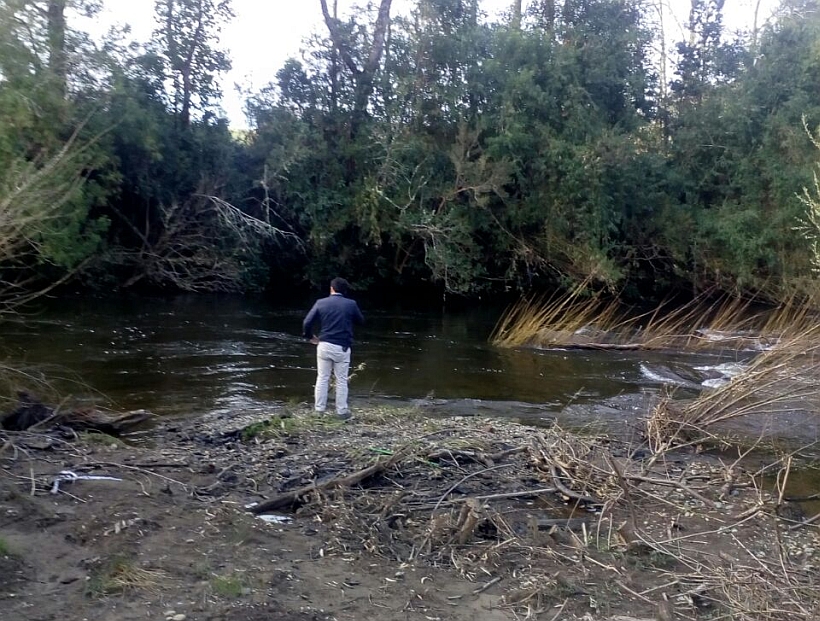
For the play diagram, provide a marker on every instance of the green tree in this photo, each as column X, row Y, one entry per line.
column 363, row 71
column 42, row 55
column 185, row 53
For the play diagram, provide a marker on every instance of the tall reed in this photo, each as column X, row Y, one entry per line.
column 583, row 320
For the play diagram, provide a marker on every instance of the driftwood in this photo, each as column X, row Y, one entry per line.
column 292, row 499
column 806, row 522
column 111, row 424
column 29, row 411
column 468, row 519
column 31, row 414
column 605, row 346
column 488, row 459
column 556, row 480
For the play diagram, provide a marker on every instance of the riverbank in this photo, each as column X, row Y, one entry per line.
column 393, row 516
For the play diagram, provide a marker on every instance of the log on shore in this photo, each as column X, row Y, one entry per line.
column 293, row 499
column 31, row 414
column 111, row 424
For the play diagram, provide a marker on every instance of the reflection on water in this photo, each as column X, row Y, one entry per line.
column 202, row 353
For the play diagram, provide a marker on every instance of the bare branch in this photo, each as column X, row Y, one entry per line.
column 338, row 41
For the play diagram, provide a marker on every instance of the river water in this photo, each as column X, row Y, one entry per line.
column 192, row 355
column 197, row 354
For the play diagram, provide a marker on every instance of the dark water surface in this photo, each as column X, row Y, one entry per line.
column 196, row 354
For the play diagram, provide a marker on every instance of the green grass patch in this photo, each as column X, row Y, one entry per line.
column 291, row 424
column 384, row 415
column 201, row 570
column 661, row 560
column 5, row 549
column 230, row 586
column 97, row 438
column 284, row 426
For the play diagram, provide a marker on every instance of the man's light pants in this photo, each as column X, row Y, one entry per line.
column 331, row 357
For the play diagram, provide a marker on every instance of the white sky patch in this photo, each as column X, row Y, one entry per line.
column 265, row 33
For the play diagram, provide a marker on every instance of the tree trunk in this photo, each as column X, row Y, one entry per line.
column 660, row 7
column 334, row 66
column 515, row 23
column 56, row 44
column 363, row 76
column 171, row 40
column 549, row 15
column 474, row 13
column 755, row 30
column 187, row 68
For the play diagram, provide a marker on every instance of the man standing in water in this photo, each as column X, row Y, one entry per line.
column 336, row 315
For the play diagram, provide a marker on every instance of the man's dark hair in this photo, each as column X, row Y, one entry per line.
column 340, row 285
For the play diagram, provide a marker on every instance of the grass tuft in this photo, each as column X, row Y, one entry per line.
column 777, row 382
column 282, row 426
column 121, row 574
column 98, row 438
column 230, row 586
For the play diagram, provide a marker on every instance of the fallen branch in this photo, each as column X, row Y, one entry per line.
column 669, row 482
column 462, row 480
column 806, row 522
column 293, row 498
column 802, row 498
column 502, row 496
column 524, row 494
column 487, row 585
column 556, row 479
column 475, row 456
column 605, row 346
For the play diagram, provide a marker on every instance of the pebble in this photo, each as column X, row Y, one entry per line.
column 179, row 617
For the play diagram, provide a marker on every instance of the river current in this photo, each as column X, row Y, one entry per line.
column 198, row 354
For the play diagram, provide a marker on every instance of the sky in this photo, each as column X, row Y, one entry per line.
column 265, row 33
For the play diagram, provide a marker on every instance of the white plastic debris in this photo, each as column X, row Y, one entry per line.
column 70, row 476
column 276, row 519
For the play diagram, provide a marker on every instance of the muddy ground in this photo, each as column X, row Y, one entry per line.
column 460, row 518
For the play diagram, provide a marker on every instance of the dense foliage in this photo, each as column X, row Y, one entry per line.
column 569, row 143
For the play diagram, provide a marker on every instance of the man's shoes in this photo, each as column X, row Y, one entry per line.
column 344, row 415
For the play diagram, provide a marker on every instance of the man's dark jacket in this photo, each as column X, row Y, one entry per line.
column 336, row 315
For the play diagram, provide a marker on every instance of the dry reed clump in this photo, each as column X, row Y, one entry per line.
column 556, row 519
column 121, row 574
column 581, row 320
column 663, row 426
column 558, row 321
column 777, row 384
column 758, row 592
